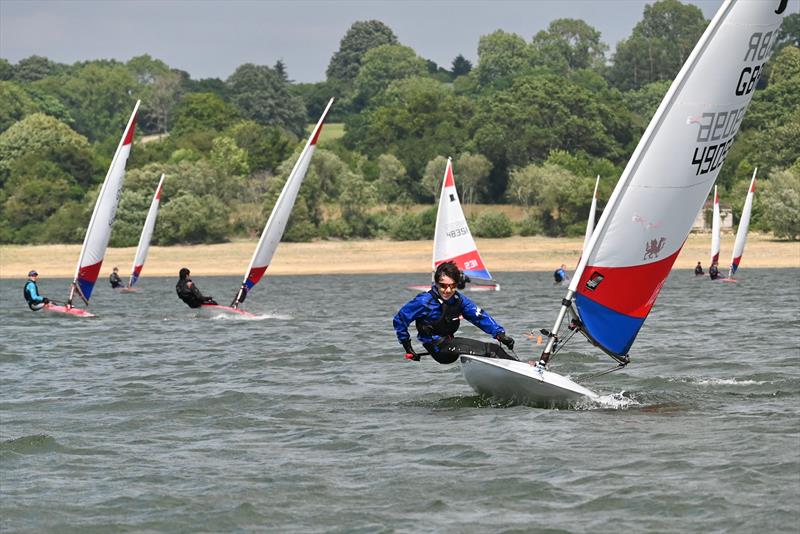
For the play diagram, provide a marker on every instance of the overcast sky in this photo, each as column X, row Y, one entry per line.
column 211, row 38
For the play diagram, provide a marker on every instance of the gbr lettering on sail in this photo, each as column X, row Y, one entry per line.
column 717, row 130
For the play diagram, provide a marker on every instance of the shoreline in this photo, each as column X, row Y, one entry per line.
column 512, row 254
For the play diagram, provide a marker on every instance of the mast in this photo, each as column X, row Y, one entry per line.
column 440, row 214
column 592, row 214
column 98, row 232
column 276, row 224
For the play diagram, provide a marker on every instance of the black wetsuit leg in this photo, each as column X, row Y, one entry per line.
column 450, row 349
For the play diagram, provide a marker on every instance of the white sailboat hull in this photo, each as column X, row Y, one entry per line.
column 521, row 382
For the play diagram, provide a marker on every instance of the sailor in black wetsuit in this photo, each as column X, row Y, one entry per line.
column 698, row 269
column 713, row 271
column 188, row 291
column 436, row 314
column 114, row 279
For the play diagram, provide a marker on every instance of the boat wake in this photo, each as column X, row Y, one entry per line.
column 252, row 317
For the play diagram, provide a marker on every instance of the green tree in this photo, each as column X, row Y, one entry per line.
column 40, row 134
column 361, row 37
column 472, row 174
column 658, row 45
column 202, row 112
column 14, row 104
column 645, row 100
column 434, row 176
column 570, row 44
column 417, row 118
column 35, row 68
column 461, row 66
column 261, row 94
column 789, row 33
column 130, row 216
column 501, row 57
column 266, row 146
column 781, row 200
column 227, row 158
column 383, row 65
column 6, row 70
column 190, row 218
column 393, row 186
column 491, row 224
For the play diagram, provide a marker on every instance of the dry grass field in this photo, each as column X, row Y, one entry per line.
column 376, row 256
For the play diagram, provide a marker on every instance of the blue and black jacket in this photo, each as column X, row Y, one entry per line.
column 437, row 319
column 31, row 293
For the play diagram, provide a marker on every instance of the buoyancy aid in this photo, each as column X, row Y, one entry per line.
column 449, row 321
column 27, row 293
column 185, row 292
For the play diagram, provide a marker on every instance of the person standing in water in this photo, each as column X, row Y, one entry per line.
column 189, row 293
column 31, row 292
column 713, row 271
column 114, row 279
column 436, row 314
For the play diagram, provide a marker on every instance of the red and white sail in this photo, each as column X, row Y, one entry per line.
column 147, row 235
column 592, row 215
column 276, row 224
column 744, row 225
column 716, row 222
column 97, row 234
column 669, row 176
column 452, row 240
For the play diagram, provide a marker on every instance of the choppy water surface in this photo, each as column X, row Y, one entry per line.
column 310, row 420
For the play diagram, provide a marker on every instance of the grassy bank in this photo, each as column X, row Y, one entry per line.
column 328, row 257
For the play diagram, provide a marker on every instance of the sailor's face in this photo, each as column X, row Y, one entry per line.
column 446, row 286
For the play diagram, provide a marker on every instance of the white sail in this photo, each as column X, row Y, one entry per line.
column 97, row 234
column 668, row 177
column 716, row 222
column 744, row 225
column 452, row 240
column 592, row 215
column 276, row 224
column 147, row 235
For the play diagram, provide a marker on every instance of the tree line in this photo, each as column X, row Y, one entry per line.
column 531, row 123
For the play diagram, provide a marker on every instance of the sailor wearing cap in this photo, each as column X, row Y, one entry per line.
column 32, row 297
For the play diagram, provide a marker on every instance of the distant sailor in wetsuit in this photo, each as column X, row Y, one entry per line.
column 188, row 291
column 436, row 314
column 560, row 274
column 114, row 279
column 698, row 270
column 713, row 271
column 31, row 292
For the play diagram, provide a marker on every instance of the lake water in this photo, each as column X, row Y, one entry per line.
column 310, row 420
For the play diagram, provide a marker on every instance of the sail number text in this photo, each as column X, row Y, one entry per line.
column 458, row 232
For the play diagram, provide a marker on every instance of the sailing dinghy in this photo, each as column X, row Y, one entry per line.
column 273, row 231
column 741, row 233
column 650, row 212
column 452, row 240
column 97, row 234
column 144, row 239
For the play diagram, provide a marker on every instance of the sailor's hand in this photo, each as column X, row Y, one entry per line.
column 508, row 341
column 46, row 300
column 410, row 353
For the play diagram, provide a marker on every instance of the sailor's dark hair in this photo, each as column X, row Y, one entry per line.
column 183, row 273
column 448, row 269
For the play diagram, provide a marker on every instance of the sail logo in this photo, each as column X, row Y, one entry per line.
column 470, row 264
column 594, row 281
column 653, row 248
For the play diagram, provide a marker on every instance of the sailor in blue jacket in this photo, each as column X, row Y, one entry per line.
column 31, row 292
column 436, row 314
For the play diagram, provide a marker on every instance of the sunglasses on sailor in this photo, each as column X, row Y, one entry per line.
column 446, row 286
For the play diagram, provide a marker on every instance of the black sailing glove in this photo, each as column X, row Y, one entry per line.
column 508, row 341
column 410, row 353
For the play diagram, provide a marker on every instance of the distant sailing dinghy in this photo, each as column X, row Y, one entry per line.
column 144, row 239
column 651, row 210
column 741, row 233
column 273, row 231
column 96, row 240
column 452, row 240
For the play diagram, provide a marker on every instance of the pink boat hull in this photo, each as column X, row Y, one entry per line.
column 68, row 310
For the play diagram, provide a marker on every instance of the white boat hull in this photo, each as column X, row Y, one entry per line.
column 521, row 382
